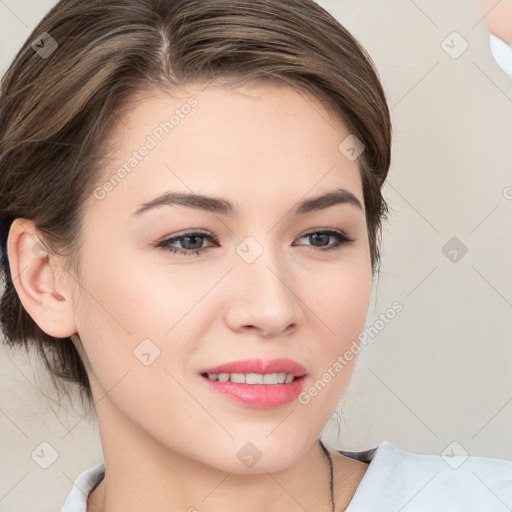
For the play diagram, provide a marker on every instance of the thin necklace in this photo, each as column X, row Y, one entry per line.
column 331, row 484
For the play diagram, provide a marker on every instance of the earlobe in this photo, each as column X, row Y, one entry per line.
column 34, row 278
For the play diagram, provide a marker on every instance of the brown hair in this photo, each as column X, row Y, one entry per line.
column 59, row 99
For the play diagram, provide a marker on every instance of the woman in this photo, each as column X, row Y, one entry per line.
column 191, row 212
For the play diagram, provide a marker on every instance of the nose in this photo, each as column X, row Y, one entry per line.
column 265, row 298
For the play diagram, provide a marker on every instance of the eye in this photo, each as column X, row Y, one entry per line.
column 192, row 243
column 320, row 237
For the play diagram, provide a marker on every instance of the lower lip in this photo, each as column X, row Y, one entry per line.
column 262, row 396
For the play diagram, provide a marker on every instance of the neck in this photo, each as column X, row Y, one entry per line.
column 142, row 474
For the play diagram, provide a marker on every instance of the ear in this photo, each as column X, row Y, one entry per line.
column 44, row 297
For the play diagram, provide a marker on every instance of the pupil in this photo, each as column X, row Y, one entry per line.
column 316, row 236
column 187, row 238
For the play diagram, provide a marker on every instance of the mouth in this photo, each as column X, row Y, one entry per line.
column 253, row 378
column 257, row 383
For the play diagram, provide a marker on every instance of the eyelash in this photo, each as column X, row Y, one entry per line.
column 341, row 237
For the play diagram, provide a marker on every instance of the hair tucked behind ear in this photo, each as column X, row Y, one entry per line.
column 59, row 101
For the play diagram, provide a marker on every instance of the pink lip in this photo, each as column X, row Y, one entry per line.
column 280, row 365
column 262, row 396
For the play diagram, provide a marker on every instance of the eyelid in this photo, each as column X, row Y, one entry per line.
column 327, row 230
column 187, row 232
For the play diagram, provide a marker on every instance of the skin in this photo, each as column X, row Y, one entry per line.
column 170, row 443
column 498, row 18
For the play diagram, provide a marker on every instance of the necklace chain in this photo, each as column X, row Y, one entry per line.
column 331, row 471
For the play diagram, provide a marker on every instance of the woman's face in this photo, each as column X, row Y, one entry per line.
column 152, row 321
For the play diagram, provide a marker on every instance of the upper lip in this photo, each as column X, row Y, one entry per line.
column 279, row 365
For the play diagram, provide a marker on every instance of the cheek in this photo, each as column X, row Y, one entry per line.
column 340, row 294
column 342, row 305
column 138, row 337
column 126, row 312
column 340, row 299
column 140, row 296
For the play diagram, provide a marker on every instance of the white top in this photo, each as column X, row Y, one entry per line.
column 396, row 480
column 502, row 53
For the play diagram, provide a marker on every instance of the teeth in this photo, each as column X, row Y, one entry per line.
column 253, row 378
column 273, row 378
column 248, row 378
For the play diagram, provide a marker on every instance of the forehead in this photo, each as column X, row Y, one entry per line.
column 265, row 141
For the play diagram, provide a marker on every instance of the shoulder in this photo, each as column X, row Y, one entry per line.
column 84, row 483
column 397, row 479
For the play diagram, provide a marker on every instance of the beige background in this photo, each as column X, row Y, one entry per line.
column 440, row 371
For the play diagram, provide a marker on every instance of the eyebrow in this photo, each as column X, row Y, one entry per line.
column 225, row 207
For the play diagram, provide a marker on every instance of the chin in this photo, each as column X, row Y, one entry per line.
column 256, row 456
